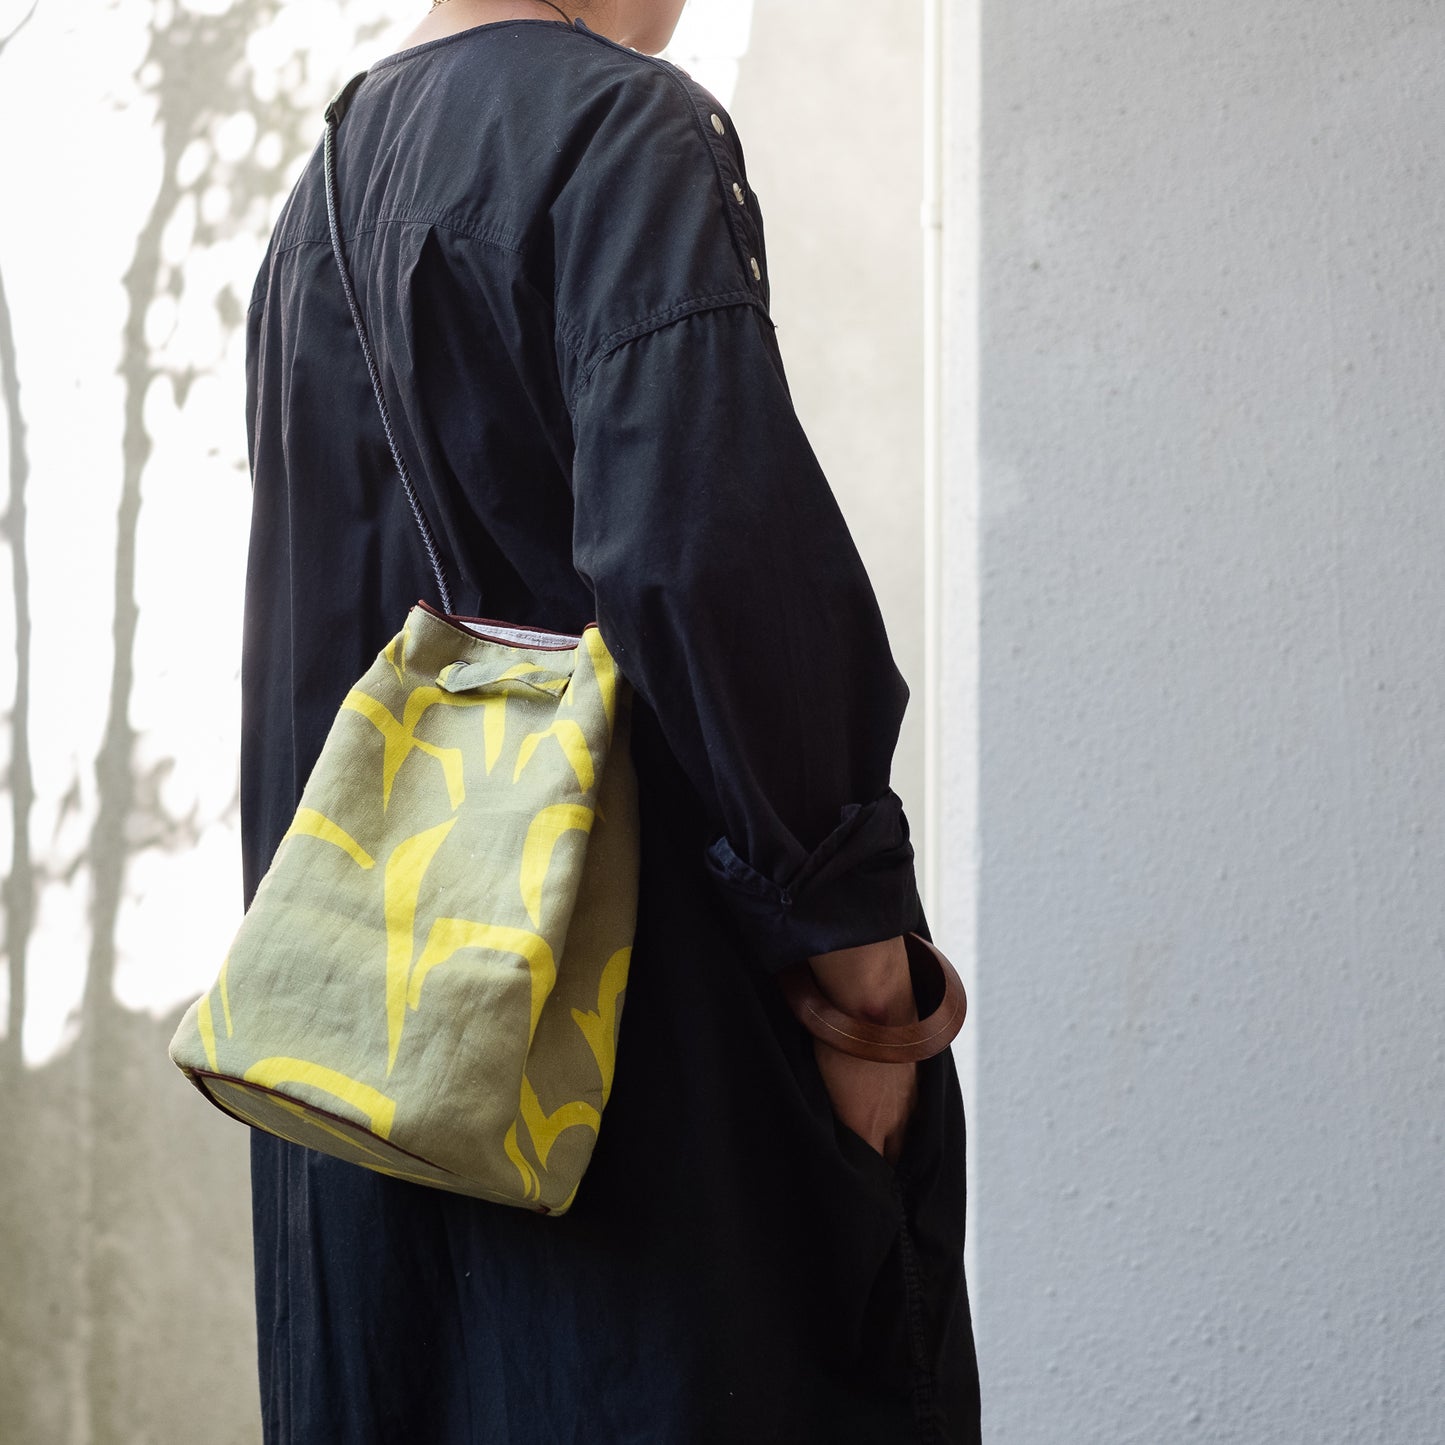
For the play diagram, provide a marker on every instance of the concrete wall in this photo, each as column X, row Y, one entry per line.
column 1211, row 593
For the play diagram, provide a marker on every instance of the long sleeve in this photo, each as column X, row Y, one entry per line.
column 735, row 601
column 725, row 579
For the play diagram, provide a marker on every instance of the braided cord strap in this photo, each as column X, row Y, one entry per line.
column 334, row 111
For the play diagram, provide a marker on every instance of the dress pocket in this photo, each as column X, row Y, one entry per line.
column 921, row 1135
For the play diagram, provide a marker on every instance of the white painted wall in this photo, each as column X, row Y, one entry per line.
column 1210, row 1000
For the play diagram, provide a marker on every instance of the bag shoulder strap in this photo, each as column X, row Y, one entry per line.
column 334, row 112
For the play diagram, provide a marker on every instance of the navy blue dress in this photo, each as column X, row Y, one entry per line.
column 562, row 269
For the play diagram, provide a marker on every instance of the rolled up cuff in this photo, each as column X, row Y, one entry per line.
column 857, row 886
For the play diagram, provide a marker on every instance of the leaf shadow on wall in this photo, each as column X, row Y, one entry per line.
column 125, row 1299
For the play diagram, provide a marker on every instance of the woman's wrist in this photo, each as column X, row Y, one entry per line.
column 871, row 981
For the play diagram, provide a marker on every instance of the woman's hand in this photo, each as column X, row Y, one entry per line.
column 874, row 1100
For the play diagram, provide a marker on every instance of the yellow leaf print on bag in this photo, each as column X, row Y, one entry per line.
column 405, row 870
column 308, row 823
column 395, row 653
column 544, row 1128
column 530, row 674
column 542, row 837
column 494, row 730
column 604, row 669
column 600, row 1028
column 378, row 1111
column 531, row 1184
column 449, row 936
column 205, row 1023
column 573, row 742
column 399, row 738
column 400, row 741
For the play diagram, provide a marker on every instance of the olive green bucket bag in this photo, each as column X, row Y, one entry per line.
column 429, row 980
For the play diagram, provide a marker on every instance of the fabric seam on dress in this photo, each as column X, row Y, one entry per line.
column 682, row 83
column 625, row 336
column 921, row 1383
column 502, row 240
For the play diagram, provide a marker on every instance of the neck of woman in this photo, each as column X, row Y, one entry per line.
column 452, row 16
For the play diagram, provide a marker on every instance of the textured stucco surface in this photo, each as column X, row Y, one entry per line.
column 1210, row 1002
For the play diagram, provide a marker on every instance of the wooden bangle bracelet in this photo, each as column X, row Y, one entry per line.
column 881, row 1043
